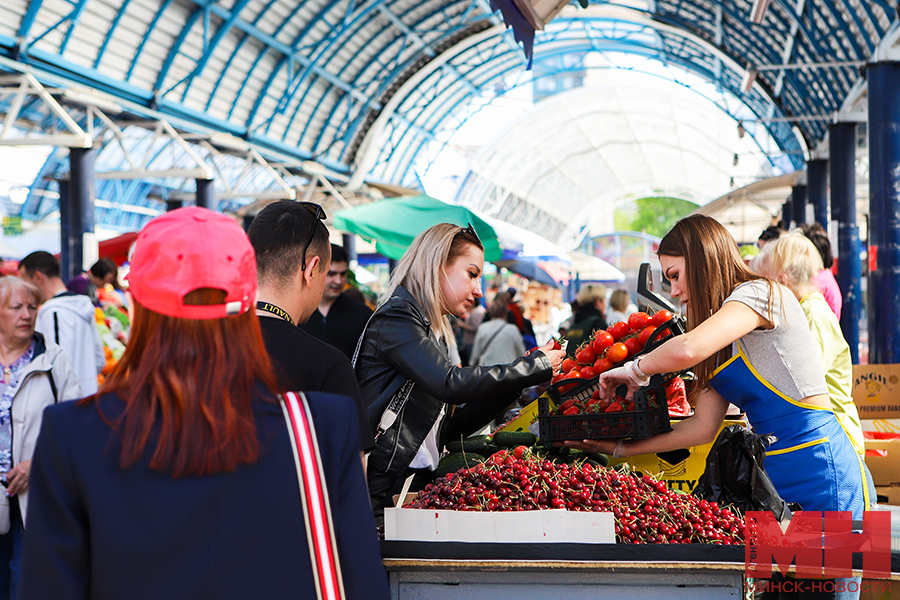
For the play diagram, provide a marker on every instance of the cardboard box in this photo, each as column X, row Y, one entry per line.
column 885, row 469
column 876, row 391
column 680, row 469
column 534, row 526
column 890, row 492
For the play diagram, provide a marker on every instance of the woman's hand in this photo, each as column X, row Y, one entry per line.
column 602, row 446
column 556, row 356
column 610, row 380
column 18, row 478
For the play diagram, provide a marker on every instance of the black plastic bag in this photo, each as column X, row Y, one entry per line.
column 735, row 474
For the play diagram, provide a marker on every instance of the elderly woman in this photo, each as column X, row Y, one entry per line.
column 35, row 374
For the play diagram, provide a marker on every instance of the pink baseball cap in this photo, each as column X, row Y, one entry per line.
column 188, row 249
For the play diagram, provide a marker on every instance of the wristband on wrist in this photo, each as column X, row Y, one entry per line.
column 637, row 368
column 635, row 375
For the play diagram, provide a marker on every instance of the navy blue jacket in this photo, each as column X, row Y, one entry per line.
column 98, row 531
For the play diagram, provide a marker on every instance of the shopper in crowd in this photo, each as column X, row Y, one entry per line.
column 468, row 326
column 292, row 257
column 35, row 374
column 417, row 399
column 589, row 317
column 793, row 261
column 748, row 343
column 497, row 341
column 104, row 274
column 824, row 280
column 517, row 317
column 338, row 320
column 66, row 319
column 180, row 480
column 620, row 306
column 772, row 232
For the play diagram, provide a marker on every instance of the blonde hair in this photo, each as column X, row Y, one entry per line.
column 421, row 267
column 792, row 254
column 590, row 294
column 10, row 285
column 619, row 300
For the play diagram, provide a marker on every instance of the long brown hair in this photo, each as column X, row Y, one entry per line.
column 188, row 385
column 714, row 267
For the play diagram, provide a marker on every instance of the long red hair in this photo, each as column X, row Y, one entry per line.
column 187, row 386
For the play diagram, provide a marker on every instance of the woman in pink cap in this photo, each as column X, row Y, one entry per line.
column 190, row 475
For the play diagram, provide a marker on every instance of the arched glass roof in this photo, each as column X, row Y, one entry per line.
column 362, row 86
column 578, row 155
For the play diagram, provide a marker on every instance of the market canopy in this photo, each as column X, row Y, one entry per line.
column 393, row 223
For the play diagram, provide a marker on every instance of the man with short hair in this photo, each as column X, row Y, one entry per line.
column 66, row 319
column 292, row 261
column 339, row 320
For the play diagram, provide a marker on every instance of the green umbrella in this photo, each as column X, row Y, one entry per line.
column 393, row 223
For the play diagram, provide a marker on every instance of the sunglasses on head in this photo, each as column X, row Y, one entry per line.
column 470, row 231
column 319, row 215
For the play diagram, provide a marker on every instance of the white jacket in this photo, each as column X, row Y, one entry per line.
column 68, row 320
column 35, row 393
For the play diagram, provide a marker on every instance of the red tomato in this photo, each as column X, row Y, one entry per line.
column 645, row 334
column 588, row 372
column 617, row 352
column 660, row 317
column 568, row 365
column 638, row 320
column 573, row 374
column 602, row 365
column 619, row 330
column 634, row 346
column 602, row 340
column 586, row 356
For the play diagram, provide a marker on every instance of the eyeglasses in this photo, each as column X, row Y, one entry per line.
column 319, row 214
column 470, row 231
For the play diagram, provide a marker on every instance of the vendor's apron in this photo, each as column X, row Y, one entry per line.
column 813, row 461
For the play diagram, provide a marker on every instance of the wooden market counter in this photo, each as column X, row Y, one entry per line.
column 455, row 570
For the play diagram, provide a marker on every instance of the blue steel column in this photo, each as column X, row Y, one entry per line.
column 842, row 149
column 173, row 205
column 786, row 213
column 76, row 211
column 205, row 195
column 798, row 204
column 65, row 231
column 817, row 189
column 884, row 208
column 348, row 241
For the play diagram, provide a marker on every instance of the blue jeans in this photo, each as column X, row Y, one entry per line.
column 11, row 552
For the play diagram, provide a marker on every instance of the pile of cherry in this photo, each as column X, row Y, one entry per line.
column 645, row 510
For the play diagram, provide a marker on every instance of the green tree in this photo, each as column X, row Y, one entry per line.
column 654, row 215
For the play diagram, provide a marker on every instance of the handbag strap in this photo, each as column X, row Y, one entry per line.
column 323, row 551
column 488, row 345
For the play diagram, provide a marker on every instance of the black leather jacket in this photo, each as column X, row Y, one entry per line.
column 398, row 345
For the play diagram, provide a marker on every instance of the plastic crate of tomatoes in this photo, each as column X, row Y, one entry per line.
column 619, row 342
column 581, row 414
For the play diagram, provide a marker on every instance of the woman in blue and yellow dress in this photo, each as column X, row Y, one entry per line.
column 749, row 344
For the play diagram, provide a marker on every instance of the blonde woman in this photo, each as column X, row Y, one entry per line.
column 793, row 260
column 417, row 398
column 620, row 306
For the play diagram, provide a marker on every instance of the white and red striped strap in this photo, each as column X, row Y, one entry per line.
column 314, row 494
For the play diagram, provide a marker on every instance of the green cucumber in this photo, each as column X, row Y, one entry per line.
column 456, row 461
column 476, row 444
column 603, row 459
column 511, row 439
